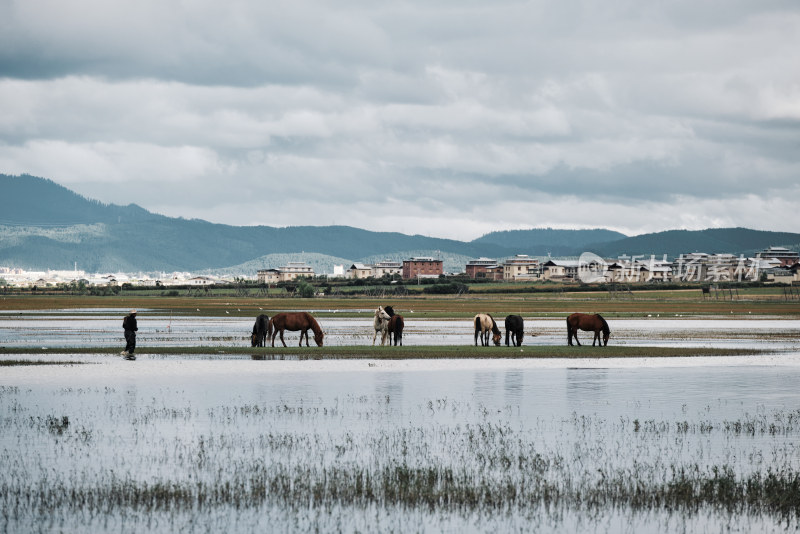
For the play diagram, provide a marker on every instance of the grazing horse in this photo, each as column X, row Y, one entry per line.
column 260, row 331
column 380, row 324
column 483, row 324
column 395, row 329
column 583, row 321
column 295, row 321
column 514, row 329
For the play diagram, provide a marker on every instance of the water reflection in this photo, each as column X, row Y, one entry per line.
column 512, row 386
column 586, row 386
column 389, row 387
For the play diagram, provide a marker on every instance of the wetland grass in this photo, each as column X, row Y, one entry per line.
column 17, row 363
column 354, row 352
column 249, row 459
column 753, row 302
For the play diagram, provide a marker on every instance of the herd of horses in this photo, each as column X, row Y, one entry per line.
column 390, row 326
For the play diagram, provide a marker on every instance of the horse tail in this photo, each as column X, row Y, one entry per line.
column 477, row 323
column 569, row 331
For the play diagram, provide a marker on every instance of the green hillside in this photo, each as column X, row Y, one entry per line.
column 544, row 241
column 713, row 240
column 44, row 225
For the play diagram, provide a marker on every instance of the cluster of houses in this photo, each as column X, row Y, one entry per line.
column 414, row 268
column 52, row 278
column 777, row 264
column 774, row 264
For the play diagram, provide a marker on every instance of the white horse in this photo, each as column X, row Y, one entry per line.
column 381, row 324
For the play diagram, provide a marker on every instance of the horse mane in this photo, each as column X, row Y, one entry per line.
column 313, row 323
column 495, row 329
column 606, row 329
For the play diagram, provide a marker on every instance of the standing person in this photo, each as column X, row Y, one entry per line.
column 130, row 327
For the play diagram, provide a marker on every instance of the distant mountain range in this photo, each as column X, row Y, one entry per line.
column 45, row 225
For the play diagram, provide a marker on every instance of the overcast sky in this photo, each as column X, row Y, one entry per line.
column 449, row 118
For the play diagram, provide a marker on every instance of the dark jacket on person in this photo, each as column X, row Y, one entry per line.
column 129, row 323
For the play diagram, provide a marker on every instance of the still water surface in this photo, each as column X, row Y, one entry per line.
column 152, row 419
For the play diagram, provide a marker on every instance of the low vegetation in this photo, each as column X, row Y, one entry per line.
column 357, row 352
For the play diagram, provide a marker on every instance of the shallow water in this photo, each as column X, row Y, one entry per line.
column 75, row 330
column 193, row 421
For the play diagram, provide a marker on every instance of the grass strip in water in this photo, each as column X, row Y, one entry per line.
column 414, row 352
column 774, row 493
column 14, row 363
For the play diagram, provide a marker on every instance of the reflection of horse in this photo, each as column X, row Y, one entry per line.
column 514, row 329
column 380, row 324
column 295, row 321
column 395, row 329
column 260, row 331
column 483, row 324
column 583, row 321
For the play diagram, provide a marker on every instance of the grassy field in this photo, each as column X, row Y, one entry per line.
column 354, row 352
column 753, row 301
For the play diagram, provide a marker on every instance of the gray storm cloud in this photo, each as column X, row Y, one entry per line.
column 441, row 118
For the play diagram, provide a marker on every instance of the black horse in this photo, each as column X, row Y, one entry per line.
column 514, row 329
column 260, row 331
column 396, row 325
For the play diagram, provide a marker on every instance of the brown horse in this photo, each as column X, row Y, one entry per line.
column 593, row 323
column 483, row 324
column 295, row 321
column 395, row 329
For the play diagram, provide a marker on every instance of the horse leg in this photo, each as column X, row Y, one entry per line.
column 575, row 335
column 282, row 341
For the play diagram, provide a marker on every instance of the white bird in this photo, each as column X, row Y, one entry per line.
column 226, row 311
